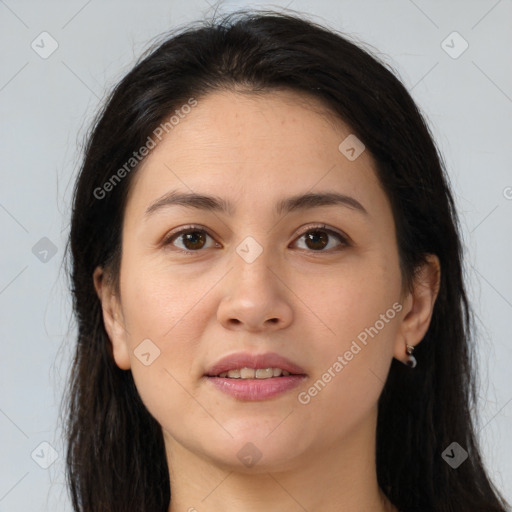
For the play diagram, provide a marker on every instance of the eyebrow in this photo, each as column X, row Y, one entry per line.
column 289, row 204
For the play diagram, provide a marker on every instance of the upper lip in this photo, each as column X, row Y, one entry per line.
column 247, row 360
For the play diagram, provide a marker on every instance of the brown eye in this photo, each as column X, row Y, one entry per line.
column 194, row 240
column 319, row 238
column 191, row 239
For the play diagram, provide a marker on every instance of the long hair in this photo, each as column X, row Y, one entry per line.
column 116, row 458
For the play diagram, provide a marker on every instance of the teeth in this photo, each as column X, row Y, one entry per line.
column 247, row 373
column 264, row 374
column 251, row 373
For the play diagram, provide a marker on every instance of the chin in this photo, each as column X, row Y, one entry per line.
column 252, row 459
column 256, row 448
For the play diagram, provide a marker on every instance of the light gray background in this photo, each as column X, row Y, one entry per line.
column 47, row 105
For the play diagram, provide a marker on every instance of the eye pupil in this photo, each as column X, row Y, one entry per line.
column 193, row 239
column 314, row 236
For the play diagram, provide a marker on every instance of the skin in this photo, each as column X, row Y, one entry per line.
column 305, row 303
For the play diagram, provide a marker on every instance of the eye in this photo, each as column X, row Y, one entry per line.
column 317, row 239
column 193, row 239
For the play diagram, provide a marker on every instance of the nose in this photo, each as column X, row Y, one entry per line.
column 255, row 297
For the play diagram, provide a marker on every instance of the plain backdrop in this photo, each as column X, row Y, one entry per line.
column 47, row 103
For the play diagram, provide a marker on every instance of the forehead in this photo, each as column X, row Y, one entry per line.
column 248, row 146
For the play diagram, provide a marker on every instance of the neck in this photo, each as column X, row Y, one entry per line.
column 339, row 478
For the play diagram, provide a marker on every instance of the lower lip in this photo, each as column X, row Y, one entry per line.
column 256, row 389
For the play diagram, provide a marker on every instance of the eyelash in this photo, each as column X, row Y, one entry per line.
column 194, row 228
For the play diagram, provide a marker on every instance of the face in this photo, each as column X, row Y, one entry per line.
column 315, row 282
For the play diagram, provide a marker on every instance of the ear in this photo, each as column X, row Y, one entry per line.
column 112, row 318
column 418, row 306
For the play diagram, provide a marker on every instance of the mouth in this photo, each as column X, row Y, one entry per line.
column 254, row 373
column 255, row 377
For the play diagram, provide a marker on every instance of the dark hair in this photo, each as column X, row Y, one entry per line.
column 116, row 457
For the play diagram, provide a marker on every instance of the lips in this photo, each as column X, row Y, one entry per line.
column 246, row 388
column 255, row 361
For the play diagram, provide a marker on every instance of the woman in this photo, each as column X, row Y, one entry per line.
column 262, row 234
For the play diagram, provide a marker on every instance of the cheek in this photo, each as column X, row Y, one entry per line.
column 162, row 364
column 163, row 332
column 351, row 369
column 351, row 301
column 158, row 302
column 361, row 310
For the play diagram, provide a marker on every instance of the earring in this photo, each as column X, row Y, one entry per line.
column 411, row 360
